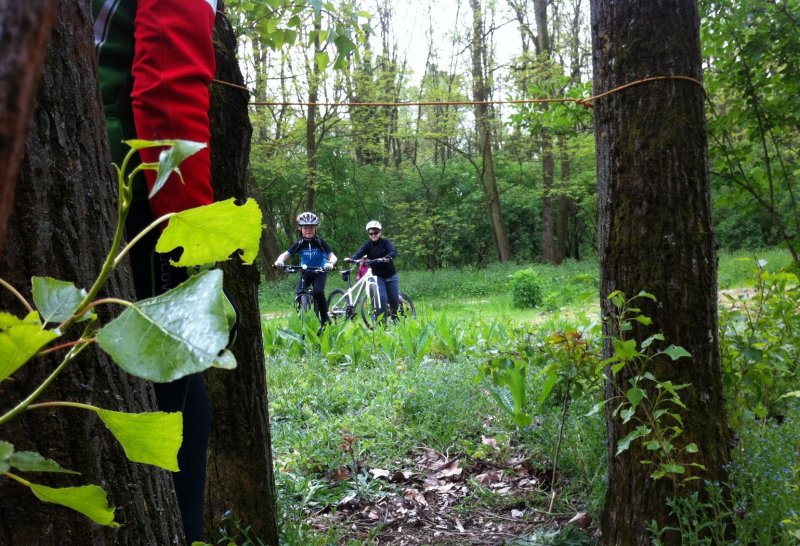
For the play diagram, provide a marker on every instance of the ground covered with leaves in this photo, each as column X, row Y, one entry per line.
column 447, row 500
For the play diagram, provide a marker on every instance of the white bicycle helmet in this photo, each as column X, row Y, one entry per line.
column 374, row 224
column 307, row 219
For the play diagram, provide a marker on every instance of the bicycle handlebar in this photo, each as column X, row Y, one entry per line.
column 299, row 268
column 366, row 261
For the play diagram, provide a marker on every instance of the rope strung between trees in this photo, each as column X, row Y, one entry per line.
column 585, row 102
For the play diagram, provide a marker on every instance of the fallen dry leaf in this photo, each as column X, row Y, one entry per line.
column 379, row 473
column 491, row 442
column 341, row 474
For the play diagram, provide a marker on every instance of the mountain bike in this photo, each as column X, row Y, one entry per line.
column 365, row 297
column 304, row 294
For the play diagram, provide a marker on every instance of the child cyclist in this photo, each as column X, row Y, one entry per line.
column 314, row 254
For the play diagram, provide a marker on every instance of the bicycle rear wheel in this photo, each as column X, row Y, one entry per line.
column 406, row 309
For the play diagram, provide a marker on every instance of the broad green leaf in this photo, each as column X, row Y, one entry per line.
column 692, row 448
column 322, row 60
column 635, row 395
column 20, row 340
column 169, row 159
column 795, row 394
column 547, row 388
column 57, row 300
column 6, row 450
column 625, row 350
column 675, row 352
column 674, row 468
column 225, row 361
column 635, row 434
column 178, row 333
column 212, row 233
column 89, row 500
column 31, row 461
column 150, row 438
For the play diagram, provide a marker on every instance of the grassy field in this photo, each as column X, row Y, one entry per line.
column 404, row 436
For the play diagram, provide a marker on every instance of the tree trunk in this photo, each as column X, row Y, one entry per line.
column 240, row 476
column 61, row 225
column 655, row 235
column 26, row 28
column 311, row 122
column 482, row 122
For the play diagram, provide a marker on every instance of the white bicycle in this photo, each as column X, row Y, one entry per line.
column 364, row 296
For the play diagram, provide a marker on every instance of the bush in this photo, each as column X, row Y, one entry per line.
column 526, row 289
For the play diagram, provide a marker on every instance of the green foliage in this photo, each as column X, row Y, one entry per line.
column 760, row 344
column 749, row 49
column 526, row 289
column 163, row 338
column 759, row 502
column 277, row 23
column 651, row 408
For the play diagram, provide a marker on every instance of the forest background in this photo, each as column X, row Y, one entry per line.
column 421, row 169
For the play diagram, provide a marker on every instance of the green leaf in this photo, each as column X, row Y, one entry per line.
column 178, row 333
column 322, row 60
column 635, row 434
column 795, row 394
column 57, row 300
column 30, row 461
column 169, row 160
column 635, row 395
column 692, row 448
column 150, row 438
column 675, row 352
column 89, row 500
column 6, row 450
column 20, row 340
column 212, row 233
column 625, row 350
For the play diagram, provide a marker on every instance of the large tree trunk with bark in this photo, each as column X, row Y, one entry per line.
column 655, row 235
column 26, row 28
column 240, row 475
column 61, row 225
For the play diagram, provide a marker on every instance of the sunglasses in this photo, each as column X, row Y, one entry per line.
column 373, row 232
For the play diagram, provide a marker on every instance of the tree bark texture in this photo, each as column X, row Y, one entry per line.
column 240, row 476
column 61, row 226
column 655, row 234
column 482, row 122
column 25, row 28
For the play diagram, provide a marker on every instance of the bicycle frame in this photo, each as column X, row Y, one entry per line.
column 366, row 286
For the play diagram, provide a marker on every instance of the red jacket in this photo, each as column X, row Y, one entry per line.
column 172, row 70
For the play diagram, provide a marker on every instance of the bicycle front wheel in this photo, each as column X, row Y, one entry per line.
column 369, row 314
column 406, row 308
column 338, row 306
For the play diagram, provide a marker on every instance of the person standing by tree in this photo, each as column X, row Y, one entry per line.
column 156, row 63
column 315, row 254
column 388, row 281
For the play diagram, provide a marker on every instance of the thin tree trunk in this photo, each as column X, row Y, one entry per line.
column 311, row 124
column 25, row 28
column 61, row 225
column 655, row 235
column 482, row 122
column 240, row 474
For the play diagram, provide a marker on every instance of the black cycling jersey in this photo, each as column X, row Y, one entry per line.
column 382, row 248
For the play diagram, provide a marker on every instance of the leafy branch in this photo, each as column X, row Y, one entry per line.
column 181, row 332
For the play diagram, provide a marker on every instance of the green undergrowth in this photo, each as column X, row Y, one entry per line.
column 425, row 383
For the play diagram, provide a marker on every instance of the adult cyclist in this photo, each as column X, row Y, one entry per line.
column 315, row 254
column 388, row 280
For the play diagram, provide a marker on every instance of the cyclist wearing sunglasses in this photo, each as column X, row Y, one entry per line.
column 315, row 254
column 388, row 280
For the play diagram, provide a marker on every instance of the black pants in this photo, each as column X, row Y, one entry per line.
column 153, row 275
column 317, row 282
